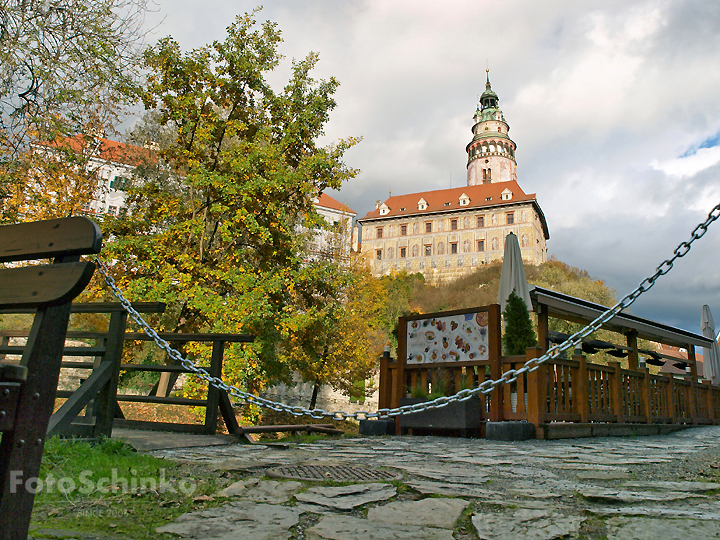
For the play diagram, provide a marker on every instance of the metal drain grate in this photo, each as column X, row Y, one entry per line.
column 338, row 473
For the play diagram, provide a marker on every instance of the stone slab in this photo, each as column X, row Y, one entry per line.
column 347, row 497
column 640, row 528
column 622, row 496
column 432, row 512
column 243, row 520
column 524, row 524
column 265, row 491
column 351, row 528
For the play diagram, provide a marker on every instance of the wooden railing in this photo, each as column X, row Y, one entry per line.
column 97, row 394
column 569, row 390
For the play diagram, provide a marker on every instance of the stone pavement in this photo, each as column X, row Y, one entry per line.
column 614, row 488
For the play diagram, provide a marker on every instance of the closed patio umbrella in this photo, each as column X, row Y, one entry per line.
column 711, row 368
column 513, row 274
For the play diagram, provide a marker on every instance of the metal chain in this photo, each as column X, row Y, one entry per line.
column 484, row 388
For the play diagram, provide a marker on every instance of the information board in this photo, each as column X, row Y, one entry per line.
column 455, row 338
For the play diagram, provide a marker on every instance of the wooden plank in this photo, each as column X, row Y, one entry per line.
column 43, row 285
column 213, row 397
column 69, row 410
column 159, row 426
column 154, row 367
column 94, row 307
column 49, row 239
column 67, row 351
column 182, row 338
column 162, row 400
column 228, row 413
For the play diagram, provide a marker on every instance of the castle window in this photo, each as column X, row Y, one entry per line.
column 403, row 230
column 453, row 224
column 403, row 252
column 481, row 221
column 428, row 251
column 112, row 210
column 428, row 227
column 453, row 247
column 379, row 232
column 481, row 245
column 509, row 218
column 378, row 254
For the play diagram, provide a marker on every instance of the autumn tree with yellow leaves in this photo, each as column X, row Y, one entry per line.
column 218, row 236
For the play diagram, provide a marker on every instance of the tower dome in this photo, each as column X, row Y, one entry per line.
column 491, row 152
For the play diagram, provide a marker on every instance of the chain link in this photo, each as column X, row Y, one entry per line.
column 486, row 387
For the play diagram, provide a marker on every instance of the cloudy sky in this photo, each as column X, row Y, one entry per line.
column 613, row 106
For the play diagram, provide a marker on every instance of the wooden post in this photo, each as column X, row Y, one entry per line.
column 42, row 357
column 398, row 388
column 692, row 360
column 581, row 399
column 616, row 391
column 543, row 328
column 213, row 394
column 709, row 401
column 105, row 403
column 671, row 398
column 383, row 397
column 495, row 350
column 537, row 390
column 633, row 359
column 647, row 401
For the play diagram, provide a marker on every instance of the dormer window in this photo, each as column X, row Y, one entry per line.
column 384, row 210
column 507, row 195
column 422, row 204
column 403, row 209
column 447, row 204
column 488, row 198
column 464, row 200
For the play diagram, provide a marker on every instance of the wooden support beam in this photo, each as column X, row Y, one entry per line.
column 633, row 357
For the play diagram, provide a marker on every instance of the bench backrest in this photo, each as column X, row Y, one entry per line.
column 62, row 239
column 29, row 389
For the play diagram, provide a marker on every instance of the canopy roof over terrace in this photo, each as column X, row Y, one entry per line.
column 547, row 303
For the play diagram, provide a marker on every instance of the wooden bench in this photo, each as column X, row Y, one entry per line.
column 27, row 390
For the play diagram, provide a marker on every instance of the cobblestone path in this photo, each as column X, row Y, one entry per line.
column 616, row 488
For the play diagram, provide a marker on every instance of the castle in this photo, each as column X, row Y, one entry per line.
column 447, row 233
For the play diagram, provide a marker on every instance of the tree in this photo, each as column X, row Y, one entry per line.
column 68, row 68
column 63, row 62
column 338, row 337
column 217, row 237
column 519, row 333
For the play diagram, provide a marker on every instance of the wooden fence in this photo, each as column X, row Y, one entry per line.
column 568, row 391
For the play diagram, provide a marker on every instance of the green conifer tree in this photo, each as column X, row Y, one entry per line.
column 519, row 333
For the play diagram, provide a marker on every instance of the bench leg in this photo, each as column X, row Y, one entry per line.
column 21, row 449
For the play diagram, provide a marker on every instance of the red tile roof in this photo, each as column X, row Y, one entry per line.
column 326, row 201
column 118, row 152
column 407, row 205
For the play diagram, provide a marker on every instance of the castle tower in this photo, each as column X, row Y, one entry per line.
column 491, row 153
